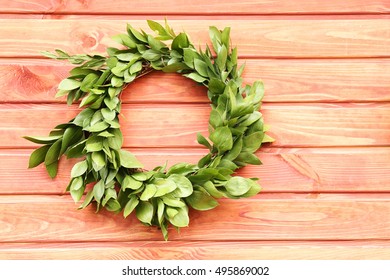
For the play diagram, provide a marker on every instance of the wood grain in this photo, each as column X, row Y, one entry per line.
column 267, row 217
column 182, row 250
column 174, row 125
column 283, row 170
column 285, row 81
column 255, row 38
column 188, row 7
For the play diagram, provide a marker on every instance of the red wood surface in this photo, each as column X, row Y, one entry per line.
column 188, row 7
column 326, row 178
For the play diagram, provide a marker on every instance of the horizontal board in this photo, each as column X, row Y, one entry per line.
column 176, row 125
column 285, row 81
column 247, row 250
column 255, row 38
column 273, row 217
column 283, row 170
column 188, row 7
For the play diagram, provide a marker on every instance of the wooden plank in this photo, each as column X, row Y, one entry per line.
column 173, row 250
column 267, row 217
column 188, row 7
column 176, row 125
column 255, row 38
column 26, row 80
column 284, row 170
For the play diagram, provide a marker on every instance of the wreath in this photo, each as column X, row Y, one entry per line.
column 114, row 178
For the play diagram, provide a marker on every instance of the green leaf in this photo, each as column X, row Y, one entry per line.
column 53, row 153
column 215, row 119
column 130, row 205
column 151, row 55
column 42, row 140
column 148, row 192
column 69, row 84
column 222, row 138
column 173, row 201
column 235, row 151
column 212, row 190
column 155, row 26
column 255, row 189
column 79, row 169
column 129, row 160
column 203, row 141
column 88, row 82
column 216, row 86
column 160, row 211
column 97, row 127
column 248, row 158
column 113, row 205
column 215, row 37
column 52, row 169
column 98, row 190
column 175, row 67
column 77, row 150
column 253, row 142
column 142, row 176
column 221, row 58
column 130, row 183
column 255, row 116
column 196, row 77
column 201, row 67
column 180, row 42
column 77, row 188
column 108, row 114
column 116, row 81
column 85, row 114
column 99, row 158
column 38, row 156
column 181, row 219
column 164, row 186
column 225, row 37
column 125, row 40
column 268, row 139
column 184, row 186
column 135, row 68
column 237, row 186
column 71, row 136
column 94, row 144
column 115, row 142
column 201, row 201
column 182, row 168
column 87, row 200
column 144, row 212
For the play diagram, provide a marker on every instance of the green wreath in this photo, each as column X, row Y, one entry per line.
column 113, row 178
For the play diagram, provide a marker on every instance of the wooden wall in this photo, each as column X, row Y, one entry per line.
column 326, row 178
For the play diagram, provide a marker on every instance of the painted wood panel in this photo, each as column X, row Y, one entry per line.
column 173, row 125
column 283, row 170
column 255, row 38
column 285, row 81
column 187, row 7
column 265, row 217
column 182, row 250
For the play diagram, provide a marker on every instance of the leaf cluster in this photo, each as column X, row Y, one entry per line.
column 113, row 178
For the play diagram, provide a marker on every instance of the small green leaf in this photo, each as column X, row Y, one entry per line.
column 253, row 142
column 135, row 68
column 116, row 81
column 268, row 139
column 88, row 82
column 201, row 67
column 87, row 200
column 201, row 201
column 116, row 141
column 142, row 176
column 128, row 160
column 38, row 156
column 43, row 140
column 79, row 169
column 222, row 138
column 52, row 169
column 77, row 188
column 99, row 158
column 72, row 135
column 221, row 58
column 173, row 201
column 181, row 219
column 180, row 42
column 196, row 77
column 248, row 158
column 69, row 84
column 130, row 183
column 237, row 186
column 148, row 192
column 184, row 186
column 151, row 55
column 98, row 190
column 203, row 141
column 144, row 212
column 130, row 205
column 212, row 190
column 164, row 186
column 53, row 153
